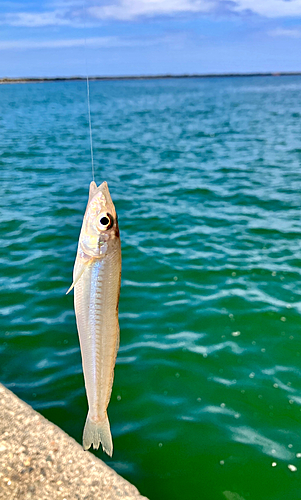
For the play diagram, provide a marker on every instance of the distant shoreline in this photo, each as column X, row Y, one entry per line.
column 143, row 77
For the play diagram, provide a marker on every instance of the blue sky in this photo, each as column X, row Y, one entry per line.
column 141, row 37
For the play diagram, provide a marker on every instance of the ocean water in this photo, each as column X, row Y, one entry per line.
column 206, row 179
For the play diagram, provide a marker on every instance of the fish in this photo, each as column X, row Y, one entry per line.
column 96, row 283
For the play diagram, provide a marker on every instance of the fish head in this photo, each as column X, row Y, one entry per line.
column 100, row 224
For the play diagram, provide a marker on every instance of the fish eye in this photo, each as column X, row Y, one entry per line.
column 106, row 221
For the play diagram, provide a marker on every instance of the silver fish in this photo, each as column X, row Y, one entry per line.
column 96, row 282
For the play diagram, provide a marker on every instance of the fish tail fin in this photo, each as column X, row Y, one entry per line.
column 96, row 432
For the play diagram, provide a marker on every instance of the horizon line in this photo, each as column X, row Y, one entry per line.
column 144, row 77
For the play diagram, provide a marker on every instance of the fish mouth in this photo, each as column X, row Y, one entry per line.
column 104, row 190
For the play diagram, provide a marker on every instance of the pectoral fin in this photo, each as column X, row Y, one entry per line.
column 79, row 273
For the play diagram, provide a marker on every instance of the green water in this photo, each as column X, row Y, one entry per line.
column 206, row 179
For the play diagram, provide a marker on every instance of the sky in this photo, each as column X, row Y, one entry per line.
column 148, row 37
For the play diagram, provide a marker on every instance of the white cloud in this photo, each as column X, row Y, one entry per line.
column 105, row 41
column 35, row 19
column 292, row 33
column 270, row 8
column 54, row 44
column 130, row 9
column 72, row 12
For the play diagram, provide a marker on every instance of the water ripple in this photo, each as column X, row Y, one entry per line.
column 205, row 175
column 267, row 446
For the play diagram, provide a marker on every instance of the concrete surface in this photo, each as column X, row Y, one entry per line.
column 39, row 461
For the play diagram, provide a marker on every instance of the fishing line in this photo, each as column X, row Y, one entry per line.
column 90, row 126
column 88, row 92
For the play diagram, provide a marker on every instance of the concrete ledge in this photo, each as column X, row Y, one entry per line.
column 39, row 461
